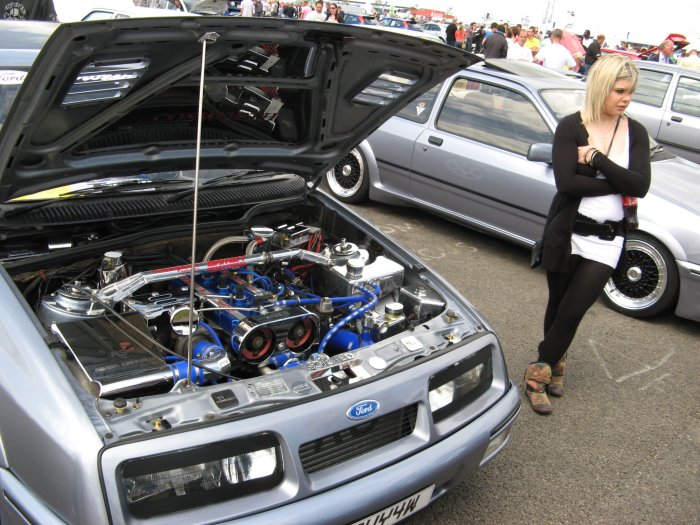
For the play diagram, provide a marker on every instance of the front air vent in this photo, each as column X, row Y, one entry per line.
column 105, row 80
column 360, row 439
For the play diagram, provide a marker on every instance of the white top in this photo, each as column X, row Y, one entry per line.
column 603, row 208
column 556, row 56
column 518, row 52
column 313, row 16
column 247, row 8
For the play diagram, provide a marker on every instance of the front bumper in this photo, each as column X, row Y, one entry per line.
column 442, row 464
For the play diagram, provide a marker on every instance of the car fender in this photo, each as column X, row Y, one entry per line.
column 376, row 188
column 662, row 235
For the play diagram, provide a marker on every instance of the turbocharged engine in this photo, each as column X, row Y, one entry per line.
column 288, row 297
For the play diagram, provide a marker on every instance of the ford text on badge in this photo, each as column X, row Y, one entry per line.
column 363, row 409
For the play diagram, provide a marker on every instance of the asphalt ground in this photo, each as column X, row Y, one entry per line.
column 623, row 444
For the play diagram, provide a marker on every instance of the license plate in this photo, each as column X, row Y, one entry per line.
column 400, row 510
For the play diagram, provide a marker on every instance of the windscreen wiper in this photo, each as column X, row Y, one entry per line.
column 234, row 175
column 97, row 190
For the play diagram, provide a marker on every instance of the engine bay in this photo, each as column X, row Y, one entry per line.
column 138, row 321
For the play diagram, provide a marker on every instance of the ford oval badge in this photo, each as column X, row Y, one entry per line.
column 363, row 409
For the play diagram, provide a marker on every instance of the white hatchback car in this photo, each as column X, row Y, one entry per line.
column 667, row 102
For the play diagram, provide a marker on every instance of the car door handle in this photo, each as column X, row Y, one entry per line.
column 677, row 119
column 435, row 140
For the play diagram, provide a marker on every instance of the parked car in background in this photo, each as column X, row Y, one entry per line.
column 435, row 29
column 679, row 43
column 355, row 19
column 399, row 23
column 190, row 332
column 667, row 102
column 108, row 13
column 200, row 7
column 415, row 34
column 477, row 150
column 20, row 42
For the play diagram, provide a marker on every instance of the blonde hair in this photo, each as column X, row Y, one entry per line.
column 600, row 81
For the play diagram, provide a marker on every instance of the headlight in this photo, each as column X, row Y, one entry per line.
column 164, row 483
column 455, row 387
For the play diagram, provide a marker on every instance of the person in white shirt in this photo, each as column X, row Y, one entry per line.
column 555, row 56
column 317, row 15
column 247, row 8
column 518, row 51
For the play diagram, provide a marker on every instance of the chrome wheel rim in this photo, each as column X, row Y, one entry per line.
column 644, row 279
column 345, row 178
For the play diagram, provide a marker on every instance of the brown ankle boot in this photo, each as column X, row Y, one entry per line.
column 537, row 377
column 556, row 385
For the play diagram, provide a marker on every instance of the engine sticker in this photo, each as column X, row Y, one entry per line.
column 267, row 388
column 412, row 343
column 321, row 361
column 225, row 399
column 302, row 388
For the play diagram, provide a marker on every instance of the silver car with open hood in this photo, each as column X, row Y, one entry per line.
column 189, row 332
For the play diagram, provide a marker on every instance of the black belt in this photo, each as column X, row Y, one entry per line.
column 606, row 231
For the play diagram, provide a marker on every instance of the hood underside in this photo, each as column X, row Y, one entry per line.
column 116, row 97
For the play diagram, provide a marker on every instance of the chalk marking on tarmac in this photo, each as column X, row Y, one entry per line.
column 429, row 255
column 657, row 380
column 405, row 227
column 471, row 249
column 600, row 359
column 646, row 368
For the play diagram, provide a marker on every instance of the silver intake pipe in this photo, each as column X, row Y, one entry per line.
column 120, row 290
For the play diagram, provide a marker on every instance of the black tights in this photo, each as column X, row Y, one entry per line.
column 571, row 294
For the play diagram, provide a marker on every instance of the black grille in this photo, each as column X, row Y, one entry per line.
column 360, row 439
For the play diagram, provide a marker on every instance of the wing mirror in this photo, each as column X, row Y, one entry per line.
column 540, row 153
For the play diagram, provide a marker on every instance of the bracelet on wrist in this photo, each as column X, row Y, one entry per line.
column 589, row 155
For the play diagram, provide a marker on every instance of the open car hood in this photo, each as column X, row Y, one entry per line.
column 119, row 97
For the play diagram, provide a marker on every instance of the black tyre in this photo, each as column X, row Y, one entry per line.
column 349, row 180
column 647, row 284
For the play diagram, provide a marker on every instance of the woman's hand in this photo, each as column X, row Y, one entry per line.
column 585, row 154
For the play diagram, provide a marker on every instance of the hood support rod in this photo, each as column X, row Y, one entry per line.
column 207, row 38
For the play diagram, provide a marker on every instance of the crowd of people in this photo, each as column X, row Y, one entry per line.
column 318, row 11
column 557, row 49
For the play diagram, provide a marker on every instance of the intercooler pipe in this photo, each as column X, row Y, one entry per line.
column 372, row 296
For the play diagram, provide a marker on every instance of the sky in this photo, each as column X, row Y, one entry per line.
column 648, row 22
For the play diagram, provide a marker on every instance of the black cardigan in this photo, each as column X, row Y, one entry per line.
column 574, row 180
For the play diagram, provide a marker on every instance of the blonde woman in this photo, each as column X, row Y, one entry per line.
column 599, row 154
